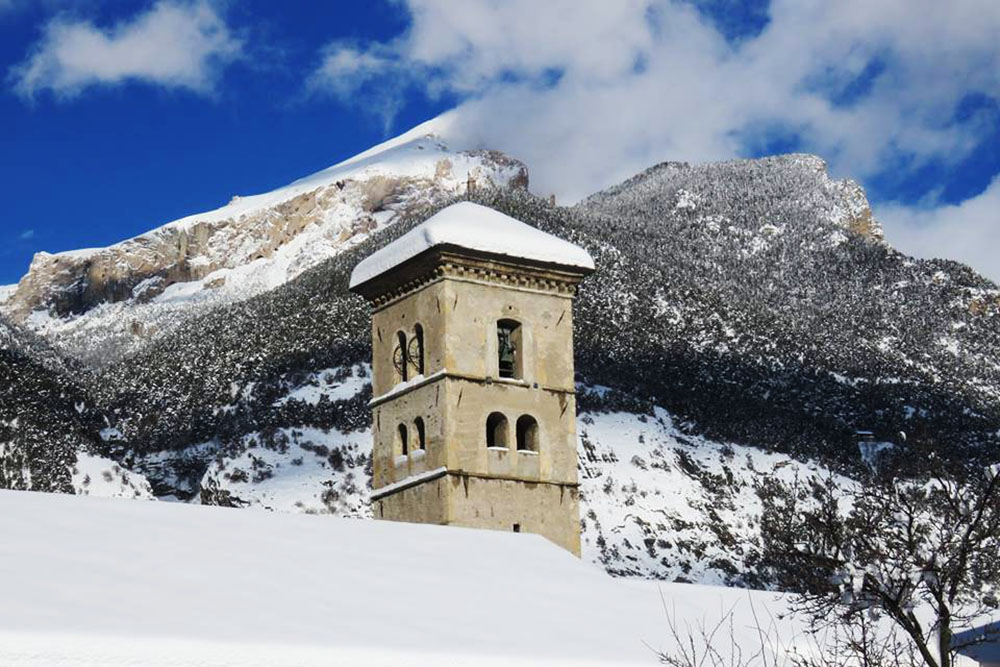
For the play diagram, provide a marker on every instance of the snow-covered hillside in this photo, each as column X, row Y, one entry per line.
column 98, row 304
column 103, row 583
column 305, row 470
column 655, row 503
column 659, row 504
column 103, row 478
column 47, row 418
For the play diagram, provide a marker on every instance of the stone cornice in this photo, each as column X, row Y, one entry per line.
column 417, row 480
column 444, row 262
column 448, row 375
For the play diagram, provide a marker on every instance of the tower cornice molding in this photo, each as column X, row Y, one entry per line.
column 455, row 263
column 396, row 392
column 437, row 473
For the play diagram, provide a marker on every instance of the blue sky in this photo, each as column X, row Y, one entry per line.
column 119, row 115
column 116, row 160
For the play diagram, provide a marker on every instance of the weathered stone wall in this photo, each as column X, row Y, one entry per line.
column 424, row 503
column 550, row 510
column 388, row 464
column 556, row 458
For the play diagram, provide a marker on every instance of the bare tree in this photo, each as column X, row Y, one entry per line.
column 863, row 642
column 923, row 554
column 701, row 643
column 762, row 642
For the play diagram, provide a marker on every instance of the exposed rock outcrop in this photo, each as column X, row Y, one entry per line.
column 346, row 202
column 98, row 304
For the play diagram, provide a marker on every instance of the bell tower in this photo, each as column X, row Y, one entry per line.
column 473, row 408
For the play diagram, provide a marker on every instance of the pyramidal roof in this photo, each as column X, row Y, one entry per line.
column 473, row 227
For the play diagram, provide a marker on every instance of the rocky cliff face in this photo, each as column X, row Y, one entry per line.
column 245, row 248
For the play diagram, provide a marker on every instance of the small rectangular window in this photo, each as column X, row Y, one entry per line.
column 509, row 349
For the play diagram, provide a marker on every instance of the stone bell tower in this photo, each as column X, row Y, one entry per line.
column 473, row 408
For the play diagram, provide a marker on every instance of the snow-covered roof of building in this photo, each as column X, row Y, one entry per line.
column 981, row 643
column 474, row 227
column 92, row 581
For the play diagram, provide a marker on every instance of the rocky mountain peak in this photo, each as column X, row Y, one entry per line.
column 799, row 180
column 251, row 245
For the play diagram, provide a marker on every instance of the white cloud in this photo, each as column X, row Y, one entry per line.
column 173, row 44
column 588, row 93
column 26, row 235
column 348, row 71
column 969, row 231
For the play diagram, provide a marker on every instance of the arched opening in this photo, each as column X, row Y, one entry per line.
column 404, row 440
column 527, row 434
column 496, row 430
column 418, row 425
column 509, row 357
column 415, row 351
column 399, row 361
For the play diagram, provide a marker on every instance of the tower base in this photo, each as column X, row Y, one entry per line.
column 549, row 509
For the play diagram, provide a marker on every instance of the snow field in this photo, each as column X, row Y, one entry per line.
column 104, row 478
column 307, row 470
column 106, row 582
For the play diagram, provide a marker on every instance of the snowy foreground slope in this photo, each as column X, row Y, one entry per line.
column 110, row 582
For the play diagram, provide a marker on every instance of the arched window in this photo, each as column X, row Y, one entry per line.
column 527, row 434
column 418, row 425
column 496, row 430
column 416, row 350
column 399, row 357
column 404, row 440
column 509, row 349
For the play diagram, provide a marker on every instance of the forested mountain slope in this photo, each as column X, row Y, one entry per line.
column 45, row 414
column 757, row 300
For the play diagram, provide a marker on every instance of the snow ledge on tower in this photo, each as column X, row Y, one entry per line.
column 474, row 227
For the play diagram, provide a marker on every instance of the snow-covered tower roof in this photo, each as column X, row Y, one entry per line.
column 477, row 229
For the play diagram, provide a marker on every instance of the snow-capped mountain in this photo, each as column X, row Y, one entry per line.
column 101, row 303
column 745, row 320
